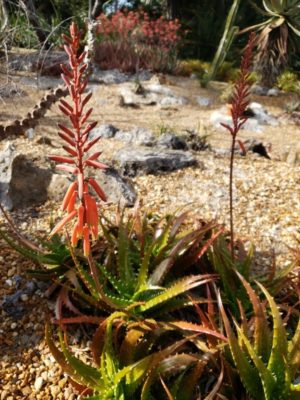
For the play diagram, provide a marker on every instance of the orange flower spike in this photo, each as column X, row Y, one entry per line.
column 72, row 202
column 95, row 232
column 63, row 222
column 91, row 210
column 80, row 219
column 75, row 236
column 80, row 185
column 86, row 241
column 97, row 189
column 69, row 195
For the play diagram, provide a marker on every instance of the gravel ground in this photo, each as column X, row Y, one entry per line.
column 267, row 210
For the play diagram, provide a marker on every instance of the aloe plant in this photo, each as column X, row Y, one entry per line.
column 130, row 357
column 268, row 359
column 134, row 268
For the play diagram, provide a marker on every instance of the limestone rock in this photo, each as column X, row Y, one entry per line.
column 134, row 161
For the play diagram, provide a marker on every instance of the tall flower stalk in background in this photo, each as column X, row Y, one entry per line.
column 240, row 102
column 78, row 202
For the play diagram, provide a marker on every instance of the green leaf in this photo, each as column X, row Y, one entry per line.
column 248, row 374
column 279, row 352
column 177, row 288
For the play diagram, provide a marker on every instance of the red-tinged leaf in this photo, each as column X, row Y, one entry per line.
column 65, row 111
column 242, row 147
column 94, row 156
column 190, row 327
column 67, row 139
column 74, row 120
column 83, row 319
column 89, row 128
column 66, row 130
column 63, row 222
column 66, row 168
column 86, row 241
column 90, row 144
column 81, row 57
column 97, row 189
column 85, row 117
column 66, row 105
column 80, row 185
column 72, row 202
column 62, row 159
column 57, row 354
column 70, row 151
column 86, row 99
column 69, row 194
column 95, row 164
column 66, row 38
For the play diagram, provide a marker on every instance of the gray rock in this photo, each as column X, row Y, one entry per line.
column 172, row 141
column 139, row 136
column 173, row 101
column 203, row 101
column 273, row 92
column 108, row 77
column 137, row 161
column 259, row 90
column 119, row 190
column 106, row 131
column 58, row 186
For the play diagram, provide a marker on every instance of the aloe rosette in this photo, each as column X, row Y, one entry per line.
column 268, row 360
column 77, row 147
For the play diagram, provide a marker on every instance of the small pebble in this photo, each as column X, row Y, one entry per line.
column 11, row 272
column 38, row 383
column 13, row 325
column 24, row 297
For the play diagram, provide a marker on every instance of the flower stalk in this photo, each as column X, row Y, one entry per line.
column 78, row 202
column 240, row 102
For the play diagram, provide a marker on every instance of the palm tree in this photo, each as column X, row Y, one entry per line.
column 276, row 39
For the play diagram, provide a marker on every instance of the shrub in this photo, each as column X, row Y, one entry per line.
column 131, row 41
column 289, row 82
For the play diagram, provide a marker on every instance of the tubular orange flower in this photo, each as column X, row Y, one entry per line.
column 68, row 195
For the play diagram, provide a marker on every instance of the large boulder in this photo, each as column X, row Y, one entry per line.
column 29, row 180
column 24, row 180
column 134, row 161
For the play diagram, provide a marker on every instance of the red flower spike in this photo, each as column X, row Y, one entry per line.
column 76, row 137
